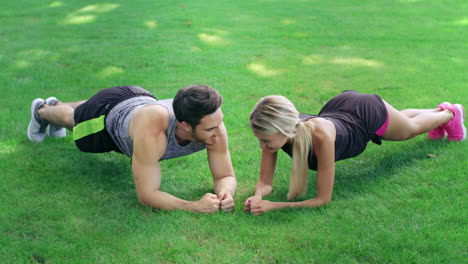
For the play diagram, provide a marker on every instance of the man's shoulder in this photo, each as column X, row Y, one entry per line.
column 153, row 111
column 155, row 117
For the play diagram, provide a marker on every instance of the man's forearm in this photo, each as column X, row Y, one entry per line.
column 227, row 184
column 164, row 201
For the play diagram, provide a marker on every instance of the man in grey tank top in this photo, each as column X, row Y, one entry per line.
column 128, row 119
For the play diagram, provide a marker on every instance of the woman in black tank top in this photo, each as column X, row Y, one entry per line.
column 341, row 130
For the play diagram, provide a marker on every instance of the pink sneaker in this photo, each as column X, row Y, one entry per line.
column 455, row 129
column 439, row 132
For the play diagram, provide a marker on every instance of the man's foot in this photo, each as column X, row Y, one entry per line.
column 439, row 132
column 37, row 126
column 53, row 130
column 456, row 130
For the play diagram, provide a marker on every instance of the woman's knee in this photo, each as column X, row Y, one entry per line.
column 400, row 127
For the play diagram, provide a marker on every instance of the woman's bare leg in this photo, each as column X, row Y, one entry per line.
column 412, row 122
column 414, row 112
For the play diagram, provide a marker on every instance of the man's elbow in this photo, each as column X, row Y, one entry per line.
column 230, row 178
column 228, row 181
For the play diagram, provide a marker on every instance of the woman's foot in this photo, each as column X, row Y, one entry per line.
column 439, row 132
column 455, row 128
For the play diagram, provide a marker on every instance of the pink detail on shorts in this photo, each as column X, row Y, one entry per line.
column 381, row 131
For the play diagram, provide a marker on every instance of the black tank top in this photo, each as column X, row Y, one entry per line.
column 356, row 117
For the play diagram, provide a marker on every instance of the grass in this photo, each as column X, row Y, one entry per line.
column 402, row 202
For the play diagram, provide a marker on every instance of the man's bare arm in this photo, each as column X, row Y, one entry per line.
column 224, row 179
column 148, row 131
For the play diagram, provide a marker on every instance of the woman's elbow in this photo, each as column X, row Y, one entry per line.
column 144, row 199
column 325, row 201
column 266, row 187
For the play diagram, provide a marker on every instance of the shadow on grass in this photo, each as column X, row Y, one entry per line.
column 58, row 165
column 61, row 167
column 356, row 176
column 380, row 163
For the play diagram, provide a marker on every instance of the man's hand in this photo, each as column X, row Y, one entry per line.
column 226, row 202
column 209, row 203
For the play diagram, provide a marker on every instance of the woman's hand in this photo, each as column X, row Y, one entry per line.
column 262, row 206
column 249, row 202
column 256, row 206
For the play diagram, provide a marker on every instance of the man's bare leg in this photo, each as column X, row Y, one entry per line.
column 60, row 114
column 50, row 117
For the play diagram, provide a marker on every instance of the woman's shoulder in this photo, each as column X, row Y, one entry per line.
column 322, row 129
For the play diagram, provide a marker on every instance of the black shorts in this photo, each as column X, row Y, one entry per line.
column 90, row 133
column 357, row 118
column 369, row 109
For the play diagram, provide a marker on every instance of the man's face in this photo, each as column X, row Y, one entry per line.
column 207, row 131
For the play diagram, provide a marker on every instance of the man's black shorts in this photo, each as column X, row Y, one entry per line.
column 90, row 133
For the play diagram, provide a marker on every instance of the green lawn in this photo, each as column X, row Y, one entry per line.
column 402, row 202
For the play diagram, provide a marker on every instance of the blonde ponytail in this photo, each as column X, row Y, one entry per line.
column 301, row 146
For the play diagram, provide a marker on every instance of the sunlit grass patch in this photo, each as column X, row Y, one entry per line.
column 110, row 70
column 88, row 14
column 214, row 40
column 262, row 70
column 151, row 24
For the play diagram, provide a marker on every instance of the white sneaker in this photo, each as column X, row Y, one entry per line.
column 53, row 130
column 37, row 126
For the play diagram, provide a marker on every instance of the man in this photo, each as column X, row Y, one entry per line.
column 130, row 120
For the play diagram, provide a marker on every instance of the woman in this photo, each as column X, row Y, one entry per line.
column 342, row 130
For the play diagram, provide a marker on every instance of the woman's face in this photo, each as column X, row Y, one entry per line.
column 271, row 143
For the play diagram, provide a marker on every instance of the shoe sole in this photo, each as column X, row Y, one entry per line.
column 33, row 117
column 461, row 110
column 442, row 106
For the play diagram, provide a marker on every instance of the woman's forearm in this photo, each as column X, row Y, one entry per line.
column 311, row 203
column 262, row 189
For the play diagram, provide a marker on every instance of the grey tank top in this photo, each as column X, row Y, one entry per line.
column 118, row 124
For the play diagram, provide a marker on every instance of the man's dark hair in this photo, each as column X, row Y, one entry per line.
column 193, row 102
